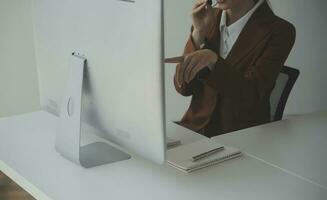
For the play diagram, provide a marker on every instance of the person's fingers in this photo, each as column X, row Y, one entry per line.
column 196, row 67
column 187, row 72
column 188, row 67
column 191, row 65
column 177, row 75
column 199, row 9
column 196, row 70
column 184, row 65
column 192, row 76
column 198, row 3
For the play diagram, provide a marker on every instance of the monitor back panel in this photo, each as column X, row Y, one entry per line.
column 123, row 43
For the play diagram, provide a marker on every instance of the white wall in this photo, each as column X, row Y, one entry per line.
column 308, row 54
column 177, row 29
column 18, row 73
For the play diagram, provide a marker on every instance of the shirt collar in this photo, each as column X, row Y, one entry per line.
column 241, row 21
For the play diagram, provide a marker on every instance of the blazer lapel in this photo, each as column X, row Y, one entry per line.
column 256, row 29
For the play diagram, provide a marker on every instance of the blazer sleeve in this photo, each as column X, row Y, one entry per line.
column 190, row 47
column 187, row 89
column 261, row 76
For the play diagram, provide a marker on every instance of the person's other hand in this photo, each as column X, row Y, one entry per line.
column 203, row 17
column 193, row 63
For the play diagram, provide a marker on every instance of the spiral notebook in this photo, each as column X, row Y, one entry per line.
column 181, row 157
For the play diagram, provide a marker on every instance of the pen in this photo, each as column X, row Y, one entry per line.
column 206, row 154
column 178, row 59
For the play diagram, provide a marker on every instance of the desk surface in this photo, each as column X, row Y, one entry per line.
column 297, row 145
column 27, row 155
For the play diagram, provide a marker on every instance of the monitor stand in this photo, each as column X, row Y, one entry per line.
column 68, row 138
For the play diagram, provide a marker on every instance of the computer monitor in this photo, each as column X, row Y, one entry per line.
column 124, row 94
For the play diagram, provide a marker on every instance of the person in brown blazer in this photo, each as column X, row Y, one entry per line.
column 231, row 76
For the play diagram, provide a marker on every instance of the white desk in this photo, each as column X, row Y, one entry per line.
column 27, row 155
column 297, row 145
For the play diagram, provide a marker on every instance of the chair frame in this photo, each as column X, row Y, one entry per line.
column 293, row 75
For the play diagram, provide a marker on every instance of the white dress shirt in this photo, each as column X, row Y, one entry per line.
column 229, row 34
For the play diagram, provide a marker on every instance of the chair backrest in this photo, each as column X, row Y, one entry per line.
column 283, row 87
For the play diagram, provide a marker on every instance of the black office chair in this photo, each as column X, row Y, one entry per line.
column 284, row 84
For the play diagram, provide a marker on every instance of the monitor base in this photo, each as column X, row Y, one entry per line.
column 68, row 137
column 100, row 153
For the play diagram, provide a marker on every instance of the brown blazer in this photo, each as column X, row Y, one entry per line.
column 235, row 94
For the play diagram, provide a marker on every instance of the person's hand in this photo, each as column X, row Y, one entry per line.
column 203, row 17
column 193, row 63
